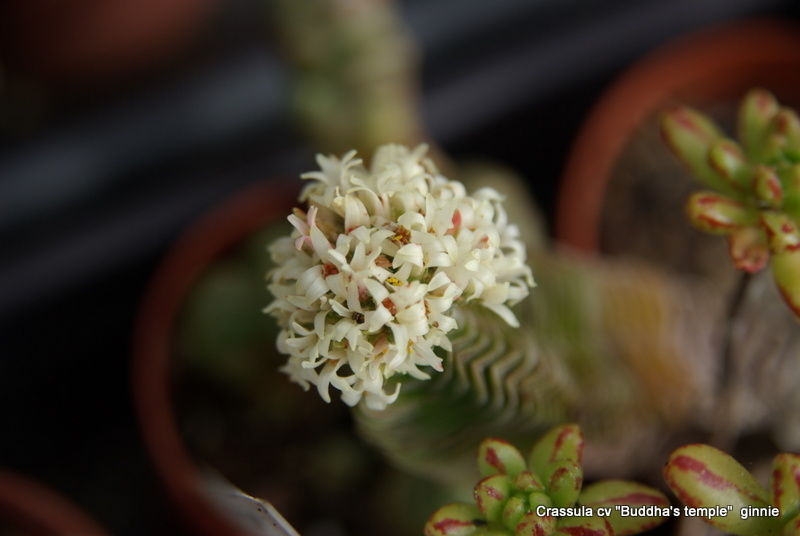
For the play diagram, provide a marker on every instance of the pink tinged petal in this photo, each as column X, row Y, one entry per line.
column 320, row 243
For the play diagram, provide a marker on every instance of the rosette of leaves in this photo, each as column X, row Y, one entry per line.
column 514, row 489
column 754, row 184
column 704, row 476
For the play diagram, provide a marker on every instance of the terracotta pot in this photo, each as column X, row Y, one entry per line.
column 35, row 510
column 706, row 69
column 153, row 364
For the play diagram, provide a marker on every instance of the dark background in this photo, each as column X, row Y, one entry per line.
column 101, row 168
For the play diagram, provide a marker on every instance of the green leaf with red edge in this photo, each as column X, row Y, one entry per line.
column 767, row 186
column 786, row 271
column 703, row 476
column 748, row 249
column 691, row 135
column 783, row 136
column 513, row 512
column 491, row 495
column 563, row 442
column 533, row 525
column 790, row 184
column 455, row 519
column 727, row 158
column 583, row 526
column 718, row 214
column 782, row 233
column 528, row 482
column 792, row 528
column 564, row 482
column 498, row 456
column 613, row 493
column 784, row 484
column 756, row 113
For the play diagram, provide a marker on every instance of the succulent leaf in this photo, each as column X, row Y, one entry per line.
column 703, row 476
column 455, row 519
column 785, row 129
column 691, row 135
column 767, row 186
column 718, row 214
column 756, row 112
column 533, row 525
column 498, row 456
column 785, row 484
column 728, row 160
column 584, row 526
column 782, row 233
column 612, row 493
column 748, row 249
column 792, row 528
column 513, row 512
column 560, row 443
column 539, row 498
column 491, row 495
column 786, row 271
column 527, row 481
column 564, row 482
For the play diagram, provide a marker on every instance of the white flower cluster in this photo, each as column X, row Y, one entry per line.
column 366, row 285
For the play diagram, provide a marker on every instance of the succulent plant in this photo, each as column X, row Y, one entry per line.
column 544, row 495
column 754, row 184
column 703, row 476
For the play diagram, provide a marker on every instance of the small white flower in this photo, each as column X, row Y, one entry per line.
column 366, row 285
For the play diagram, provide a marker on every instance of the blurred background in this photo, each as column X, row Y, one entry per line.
column 122, row 121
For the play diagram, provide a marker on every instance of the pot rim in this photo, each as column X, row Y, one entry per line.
column 31, row 506
column 181, row 268
column 698, row 68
